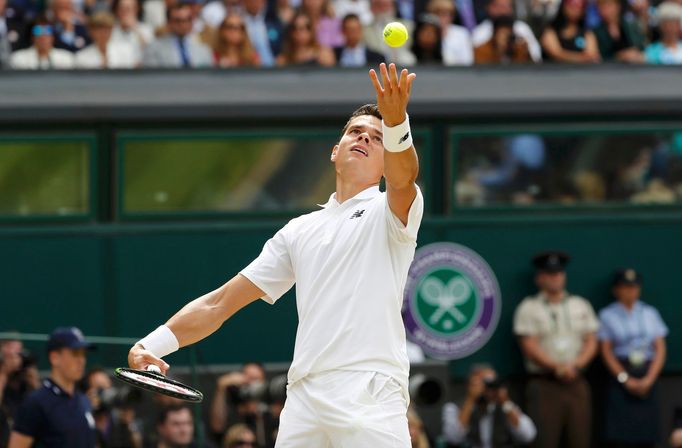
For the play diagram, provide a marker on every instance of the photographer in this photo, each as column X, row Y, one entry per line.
column 112, row 409
column 504, row 47
column 18, row 377
column 240, row 398
column 487, row 418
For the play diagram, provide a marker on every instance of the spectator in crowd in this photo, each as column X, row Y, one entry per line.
column 487, row 418
column 57, row 414
column 567, row 38
column 18, row 378
column 327, row 26
column 42, row 55
column 301, row 46
column 239, row 399
column 457, row 48
column 642, row 14
column 618, row 37
column 503, row 8
column 668, row 50
column 417, row 432
column 129, row 29
column 69, row 31
column 178, row 49
column 214, row 12
column 265, row 30
column 427, row 45
column 103, row 53
column 239, row 436
column 13, row 29
column 384, row 12
column 285, row 11
column 557, row 335
column 354, row 53
column 504, row 46
column 175, row 427
column 232, row 47
column 360, row 8
column 113, row 411
column 632, row 339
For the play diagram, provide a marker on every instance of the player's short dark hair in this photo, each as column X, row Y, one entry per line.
column 367, row 109
column 167, row 410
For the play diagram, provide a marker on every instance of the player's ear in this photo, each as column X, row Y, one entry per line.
column 335, row 151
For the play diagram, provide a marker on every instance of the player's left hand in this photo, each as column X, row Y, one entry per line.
column 393, row 97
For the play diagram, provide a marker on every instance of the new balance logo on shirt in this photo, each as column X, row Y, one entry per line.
column 357, row 214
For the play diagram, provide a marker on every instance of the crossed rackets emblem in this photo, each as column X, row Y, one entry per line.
column 446, row 297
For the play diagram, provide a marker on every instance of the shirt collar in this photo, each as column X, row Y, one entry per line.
column 54, row 388
column 544, row 298
column 367, row 193
column 635, row 308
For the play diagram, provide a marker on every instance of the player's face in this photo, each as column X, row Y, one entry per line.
column 361, row 148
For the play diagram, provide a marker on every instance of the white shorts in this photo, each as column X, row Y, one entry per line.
column 344, row 409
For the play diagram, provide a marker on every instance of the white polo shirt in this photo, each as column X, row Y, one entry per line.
column 349, row 262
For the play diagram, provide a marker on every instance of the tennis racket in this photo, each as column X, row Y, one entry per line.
column 152, row 380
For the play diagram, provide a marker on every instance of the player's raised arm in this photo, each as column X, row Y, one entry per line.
column 195, row 321
column 401, row 164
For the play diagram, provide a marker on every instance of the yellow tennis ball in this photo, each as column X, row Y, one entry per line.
column 395, row 34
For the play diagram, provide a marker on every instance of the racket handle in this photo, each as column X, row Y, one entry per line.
column 153, row 368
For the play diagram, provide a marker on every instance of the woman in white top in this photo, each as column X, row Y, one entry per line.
column 457, row 48
column 103, row 52
column 129, row 29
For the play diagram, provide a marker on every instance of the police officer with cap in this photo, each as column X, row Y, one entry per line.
column 557, row 334
column 57, row 414
column 632, row 342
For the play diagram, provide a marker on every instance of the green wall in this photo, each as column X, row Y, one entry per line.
column 123, row 280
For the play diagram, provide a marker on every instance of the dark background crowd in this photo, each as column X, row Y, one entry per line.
column 126, row 34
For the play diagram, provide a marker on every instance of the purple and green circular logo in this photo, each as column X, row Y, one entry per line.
column 452, row 301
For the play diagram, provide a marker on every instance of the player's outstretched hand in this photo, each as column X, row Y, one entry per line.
column 139, row 358
column 393, row 96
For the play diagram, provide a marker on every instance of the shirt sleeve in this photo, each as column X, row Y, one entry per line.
column 453, row 431
column 30, row 419
column 272, row 271
column 660, row 328
column 526, row 431
column 523, row 320
column 408, row 233
column 606, row 332
column 591, row 321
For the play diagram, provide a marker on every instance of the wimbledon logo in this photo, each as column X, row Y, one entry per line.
column 452, row 301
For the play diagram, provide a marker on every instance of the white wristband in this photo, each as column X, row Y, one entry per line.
column 399, row 137
column 160, row 342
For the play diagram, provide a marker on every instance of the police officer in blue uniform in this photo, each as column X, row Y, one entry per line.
column 632, row 341
column 57, row 414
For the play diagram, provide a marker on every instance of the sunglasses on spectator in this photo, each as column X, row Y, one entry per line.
column 302, row 27
column 42, row 30
column 238, row 443
column 181, row 19
column 233, row 26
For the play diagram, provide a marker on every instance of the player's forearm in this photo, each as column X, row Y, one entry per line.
column 401, row 168
column 203, row 316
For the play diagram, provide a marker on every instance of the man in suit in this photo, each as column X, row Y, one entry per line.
column 70, row 33
column 14, row 30
column 354, row 53
column 178, row 49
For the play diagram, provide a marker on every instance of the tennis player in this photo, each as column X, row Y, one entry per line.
column 349, row 376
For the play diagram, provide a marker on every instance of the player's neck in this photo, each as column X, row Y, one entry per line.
column 66, row 385
column 346, row 190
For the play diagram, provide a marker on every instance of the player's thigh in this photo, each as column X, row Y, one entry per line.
column 380, row 417
column 298, row 427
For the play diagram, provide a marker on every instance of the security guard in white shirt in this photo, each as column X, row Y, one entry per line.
column 557, row 335
column 349, row 261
